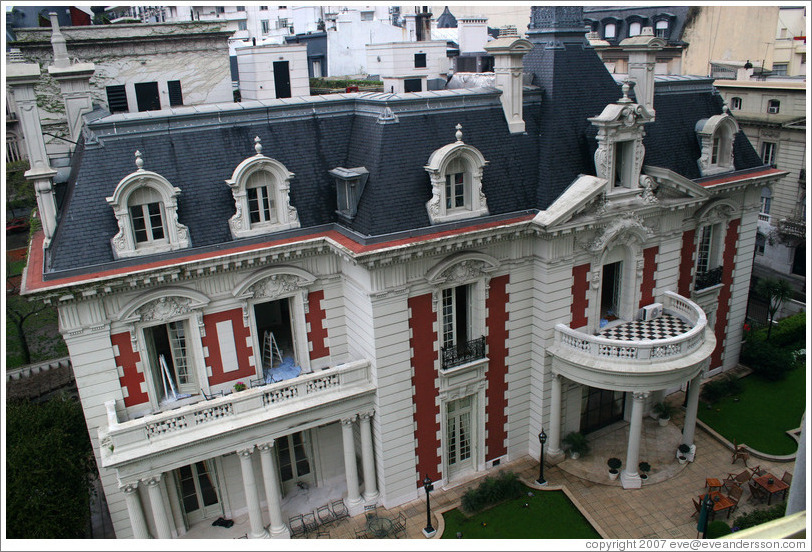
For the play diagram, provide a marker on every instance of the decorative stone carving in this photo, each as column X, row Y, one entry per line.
column 464, row 272
column 628, row 228
column 164, row 308
column 648, row 186
column 276, row 285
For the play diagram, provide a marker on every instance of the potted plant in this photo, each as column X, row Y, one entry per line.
column 576, row 442
column 644, row 468
column 663, row 410
column 614, row 467
column 682, row 453
column 239, row 386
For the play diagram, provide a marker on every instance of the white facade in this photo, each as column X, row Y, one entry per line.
column 400, row 62
column 273, row 71
column 348, row 37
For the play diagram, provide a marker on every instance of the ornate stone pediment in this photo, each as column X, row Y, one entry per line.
column 164, row 308
column 628, row 228
column 463, row 268
column 276, row 285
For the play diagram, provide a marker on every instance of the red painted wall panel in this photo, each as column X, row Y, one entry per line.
column 728, row 264
column 132, row 378
column 580, row 301
column 241, row 334
column 317, row 335
column 686, row 265
column 496, row 409
column 648, row 283
column 426, row 413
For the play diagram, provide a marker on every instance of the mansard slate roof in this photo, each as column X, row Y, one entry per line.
column 678, row 17
column 198, row 147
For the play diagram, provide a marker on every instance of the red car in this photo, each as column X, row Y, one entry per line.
column 17, row 224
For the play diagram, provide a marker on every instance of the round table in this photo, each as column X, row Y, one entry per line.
column 380, row 527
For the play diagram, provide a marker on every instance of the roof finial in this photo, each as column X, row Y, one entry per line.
column 626, row 87
column 138, row 161
column 725, row 109
column 258, row 145
column 458, row 134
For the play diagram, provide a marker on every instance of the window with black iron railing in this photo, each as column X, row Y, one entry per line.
column 708, row 278
column 461, row 353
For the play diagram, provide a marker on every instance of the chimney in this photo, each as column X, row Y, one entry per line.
column 507, row 54
column 557, row 25
column 642, row 51
column 74, row 82
column 21, row 78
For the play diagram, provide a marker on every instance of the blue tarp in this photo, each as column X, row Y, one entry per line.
column 287, row 370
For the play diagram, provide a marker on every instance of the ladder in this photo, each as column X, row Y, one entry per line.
column 270, row 350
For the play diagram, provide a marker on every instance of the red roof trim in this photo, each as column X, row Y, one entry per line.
column 34, row 278
column 735, row 177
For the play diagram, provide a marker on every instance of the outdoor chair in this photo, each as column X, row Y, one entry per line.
column 326, row 517
column 257, row 382
column 371, row 511
column 736, row 480
column 361, row 534
column 340, row 511
column 210, row 396
column 734, row 493
column 310, row 522
column 297, row 526
column 740, row 452
column 697, row 507
column 786, row 478
column 758, row 471
column 399, row 525
column 757, row 492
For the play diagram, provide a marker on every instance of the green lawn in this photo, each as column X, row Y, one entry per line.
column 764, row 412
column 549, row 515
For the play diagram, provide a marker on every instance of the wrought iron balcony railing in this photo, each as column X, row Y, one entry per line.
column 792, row 227
column 456, row 355
column 709, row 278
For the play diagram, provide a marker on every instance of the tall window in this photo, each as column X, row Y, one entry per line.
column 766, row 200
column 458, row 425
column 624, row 164
column 146, row 213
column 634, row 28
column 456, row 315
column 703, row 256
column 455, row 183
column 736, row 103
column 609, row 30
column 170, row 360
column 261, row 204
column 768, row 153
column 715, row 150
column 265, row 25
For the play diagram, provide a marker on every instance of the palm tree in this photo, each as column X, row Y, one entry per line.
column 775, row 292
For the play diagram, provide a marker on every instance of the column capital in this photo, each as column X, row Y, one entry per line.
column 365, row 416
column 246, row 452
column 128, row 488
column 348, row 421
column 641, row 395
column 152, row 480
column 262, row 447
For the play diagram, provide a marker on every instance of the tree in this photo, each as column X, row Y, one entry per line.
column 775, row 292
column 18, row 311
column 19, row 191
column 49, row 461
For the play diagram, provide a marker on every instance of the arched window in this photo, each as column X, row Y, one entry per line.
column 634, row 28
column 609, row 30
column 661, row 29
column 456, row 177
column 716, row 136
column 261, row 189
column 145, row 206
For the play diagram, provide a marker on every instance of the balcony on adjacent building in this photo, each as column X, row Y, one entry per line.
column 637, row 354
column 132, row 440
column 795, row 228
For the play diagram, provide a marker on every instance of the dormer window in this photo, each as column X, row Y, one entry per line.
column 661, row 29
column 609, row 30
column 773, row 106
column 261, row 189
column 624, row 164
column 716, row 136
column 145, row 206
column 456, row 179
column 350, row 185
column 634, row 28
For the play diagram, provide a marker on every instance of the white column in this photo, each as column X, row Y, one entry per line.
column 630, row 478
column 691, row 407
column 139, row 524
column 368, row 459
column 554, row 447
column 251, row 496
column 173, row 495
column 272, row 492
column 350, row 466
column 156, row 501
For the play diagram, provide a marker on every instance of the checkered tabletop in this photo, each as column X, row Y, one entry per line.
column 661, row 327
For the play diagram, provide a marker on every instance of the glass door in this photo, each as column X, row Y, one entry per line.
column 600, row 407
column 198, row 489
column 293, row 454
column 458, row 436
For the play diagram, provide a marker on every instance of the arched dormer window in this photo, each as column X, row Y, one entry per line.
column 456, row 181
column 634, row 28
column 661, row 28
column 716, row 136
column 609, row 30
column 145, row 205
column 261, row 189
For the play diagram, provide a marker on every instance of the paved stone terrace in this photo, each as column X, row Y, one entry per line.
column 662, row 508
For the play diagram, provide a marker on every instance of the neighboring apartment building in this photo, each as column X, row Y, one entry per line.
column 772, row 114
column 408, row 285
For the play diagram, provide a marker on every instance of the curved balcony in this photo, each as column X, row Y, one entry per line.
column 682, row 343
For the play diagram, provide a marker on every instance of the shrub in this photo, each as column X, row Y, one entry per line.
column 757, row 517
column 664, row 410
column 767, row 360
column 317, row 82
column 491, row 490
column 614, row 464
column 790, row 332
column 717, row 389
column 683, row 448
column 577, row 443
column 644, row 467
column 717, row 529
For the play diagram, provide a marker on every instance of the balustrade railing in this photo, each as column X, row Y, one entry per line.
column 655, row 349
column 459, row 354
column 289, row 393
